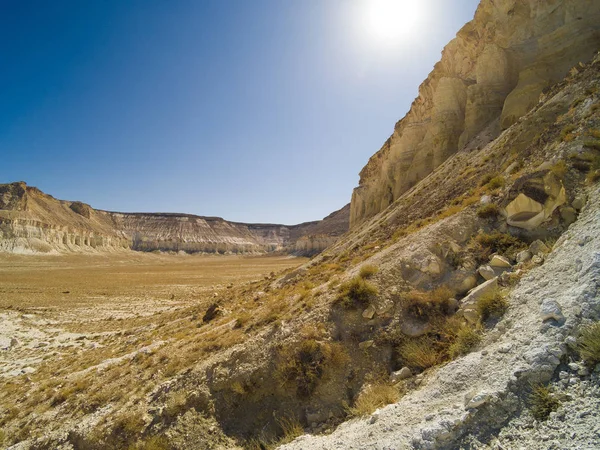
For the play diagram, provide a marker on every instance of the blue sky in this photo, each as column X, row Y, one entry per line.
column 255, row 111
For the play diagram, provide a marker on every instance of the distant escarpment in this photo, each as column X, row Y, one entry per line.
column 33, row 222
column 489, row 76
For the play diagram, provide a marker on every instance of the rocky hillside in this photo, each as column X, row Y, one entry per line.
column 31, row 221
column 460, row 311
column 491, row 74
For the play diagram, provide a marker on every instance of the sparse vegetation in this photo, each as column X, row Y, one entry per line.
column 492, row 305
column 543, row 402
column 420, row 353
column 425, row 305
column 305, row 363
column 588, row 344
column 465, row 339
column 559, row 169
column 489, row 211
column 374, row 396
column 566, row 134
column 367, row 271
column 357, row 292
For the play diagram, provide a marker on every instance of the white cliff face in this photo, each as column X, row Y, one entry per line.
column 491, row 74
column 32, row 222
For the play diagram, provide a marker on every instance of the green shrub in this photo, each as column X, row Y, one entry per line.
column 367, row 271
column 543, row 402
column 489, row 211
column 492, row 304
column 588, row 344
column 356, row 293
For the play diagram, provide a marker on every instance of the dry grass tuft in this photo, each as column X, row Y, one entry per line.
column 543, row 402
column 588, row 344
column 373, row 397
column 356, row 293
column 489, row 211
column 367, row 271
column 420, row 353
column 492, row 305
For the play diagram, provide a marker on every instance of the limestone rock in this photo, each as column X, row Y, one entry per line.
column 579, row 202
column 414, row 328
column 523, row 256
column 369, row 312
column 486, row 272
column 538, row 247
column 365, row 344
column 568, row 215
column 471, row 315
column 500, row 261
column 550, row 309
column 401, row 374
column 475, row 294
column 536, row 199
column 494, row 70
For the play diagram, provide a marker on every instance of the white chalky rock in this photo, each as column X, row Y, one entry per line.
column 550, row 309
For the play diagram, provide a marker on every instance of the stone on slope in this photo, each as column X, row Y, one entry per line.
column 500, row 261
column 551, row 310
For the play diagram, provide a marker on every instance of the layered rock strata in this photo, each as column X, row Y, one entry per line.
column 490, row 75
column 31, row 222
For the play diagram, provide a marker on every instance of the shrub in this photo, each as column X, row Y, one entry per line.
column 559, row 169
column 466, row 338
column 594, row 132
column 367, row 271
column 592, row 143
column 565, row 133
column 499, row 242
column 496, row 182
column 425, row 305
column 492, row 304
column 588, row 344
column 419, row 353
column 356, row 292
column 543, row 402
column 305, row 363
column 374, row 396
column 489, row 211
column 290, row 429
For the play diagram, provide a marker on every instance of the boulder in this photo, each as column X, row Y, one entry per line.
column 524, row 256
column 551, row 310
column 414, row 328
column 500, row 261
column 538, row 247
column 536, row 202
column 471, row 315
column 401, row 374
column 369, row 312
column 579, row 202
column 568, row 215
column 486, row 272
column 475, row 294
column 365, row 344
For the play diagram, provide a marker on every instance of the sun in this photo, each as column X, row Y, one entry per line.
column 391, row 21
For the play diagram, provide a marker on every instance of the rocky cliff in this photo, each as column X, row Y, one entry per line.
column 489, row 76
column 31, row 221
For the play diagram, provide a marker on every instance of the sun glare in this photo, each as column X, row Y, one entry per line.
column 391, row 21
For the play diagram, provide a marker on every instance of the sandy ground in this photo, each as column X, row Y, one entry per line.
column 52, row 305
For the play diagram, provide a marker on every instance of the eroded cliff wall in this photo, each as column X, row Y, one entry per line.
column 491, row 74
column 32, row 221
